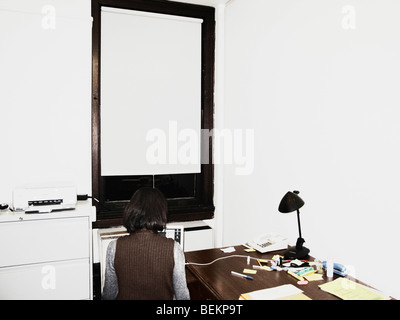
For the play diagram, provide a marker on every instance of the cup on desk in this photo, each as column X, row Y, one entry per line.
column 329, row 268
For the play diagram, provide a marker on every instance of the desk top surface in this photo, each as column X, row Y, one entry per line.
column 223, row 285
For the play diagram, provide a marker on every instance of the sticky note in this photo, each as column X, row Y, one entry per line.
column 250, row 271
column 263, row 260
column 249, row 250
column 313, row 277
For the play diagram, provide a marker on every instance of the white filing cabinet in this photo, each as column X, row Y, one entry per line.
column 47, row 256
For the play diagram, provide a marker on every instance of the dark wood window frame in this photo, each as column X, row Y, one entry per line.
column 203, row 206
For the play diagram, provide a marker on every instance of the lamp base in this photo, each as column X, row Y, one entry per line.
column 293, row 253
column 297, row 252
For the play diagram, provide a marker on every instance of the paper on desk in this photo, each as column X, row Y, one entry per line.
column 279, row 292
column 228, row 250
column 347, row 289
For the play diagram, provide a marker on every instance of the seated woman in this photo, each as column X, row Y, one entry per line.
column 145, row 265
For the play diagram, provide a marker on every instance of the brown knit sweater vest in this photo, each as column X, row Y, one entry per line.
column 144, row 262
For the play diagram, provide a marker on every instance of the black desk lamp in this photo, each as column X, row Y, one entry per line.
column 289, row 203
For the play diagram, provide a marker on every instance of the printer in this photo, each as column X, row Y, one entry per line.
column 44, row 199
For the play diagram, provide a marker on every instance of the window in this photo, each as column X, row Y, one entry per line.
column 153, row 74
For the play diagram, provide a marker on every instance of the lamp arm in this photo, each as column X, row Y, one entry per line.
column 300, row 240
column 298, row 222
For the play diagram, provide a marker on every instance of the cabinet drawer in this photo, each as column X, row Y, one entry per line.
column 27, row 242
column 59, row 280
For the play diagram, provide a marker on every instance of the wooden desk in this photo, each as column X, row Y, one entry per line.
column 215, row 282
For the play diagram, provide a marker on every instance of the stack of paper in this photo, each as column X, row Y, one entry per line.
column 349, row 290
column 284, row 292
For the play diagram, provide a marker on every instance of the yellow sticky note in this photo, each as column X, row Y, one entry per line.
column 314, row 277
column 249, row 250
column 251, row 271
column 263, row 260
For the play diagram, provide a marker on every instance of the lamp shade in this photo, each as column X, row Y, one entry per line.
column 290, row 202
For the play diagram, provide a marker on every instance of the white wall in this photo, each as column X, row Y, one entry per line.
column 45, row 100
column 318, row 82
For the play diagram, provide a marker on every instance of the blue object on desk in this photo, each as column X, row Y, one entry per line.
column 338, row 268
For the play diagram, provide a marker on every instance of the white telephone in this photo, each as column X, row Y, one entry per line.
column 268, row 242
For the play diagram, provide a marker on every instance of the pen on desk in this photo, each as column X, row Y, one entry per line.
column 262, row 268
column 241, row 275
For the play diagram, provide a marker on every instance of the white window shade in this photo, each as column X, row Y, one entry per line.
column 150, row 93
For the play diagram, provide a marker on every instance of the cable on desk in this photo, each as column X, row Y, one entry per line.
column 232, row 256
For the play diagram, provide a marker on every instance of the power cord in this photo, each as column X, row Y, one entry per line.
column 232, row 256
column 83, row 197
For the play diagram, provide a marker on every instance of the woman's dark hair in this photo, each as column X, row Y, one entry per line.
column 147, row 209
